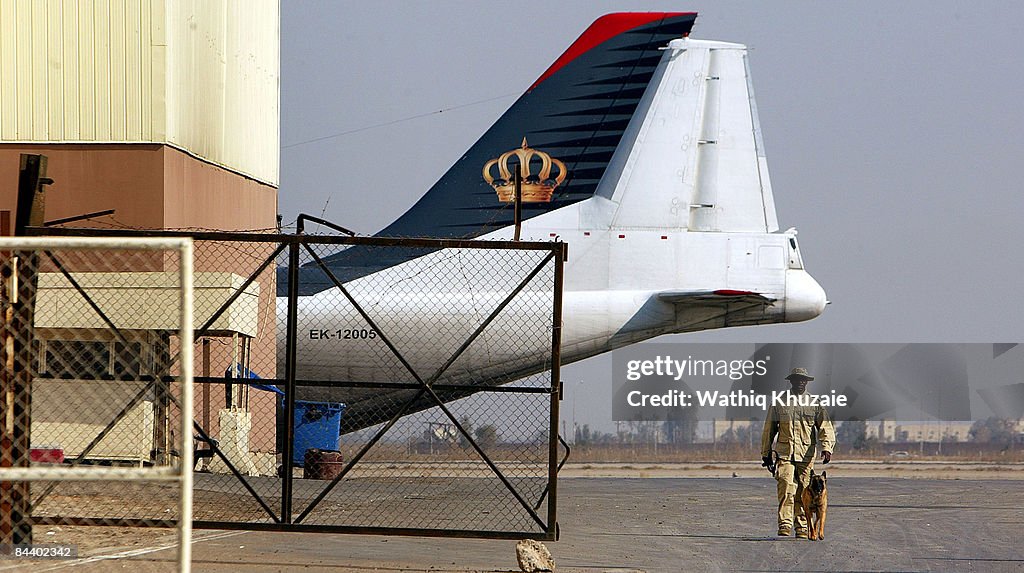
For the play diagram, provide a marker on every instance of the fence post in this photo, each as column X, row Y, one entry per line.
column 289, row 387
column 556, row 382
column 18, row 342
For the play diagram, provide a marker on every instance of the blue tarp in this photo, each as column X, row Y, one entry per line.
column 241, row 372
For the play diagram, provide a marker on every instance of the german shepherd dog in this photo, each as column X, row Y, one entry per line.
column 815, row 504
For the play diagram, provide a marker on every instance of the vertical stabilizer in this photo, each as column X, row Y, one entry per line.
column 693, row 156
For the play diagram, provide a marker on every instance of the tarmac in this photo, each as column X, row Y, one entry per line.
column 676, row 524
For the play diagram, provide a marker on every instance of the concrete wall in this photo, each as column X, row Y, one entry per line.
column 150, row 186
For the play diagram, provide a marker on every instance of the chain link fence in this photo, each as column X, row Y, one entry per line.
column 96, row 358
column 371, row 385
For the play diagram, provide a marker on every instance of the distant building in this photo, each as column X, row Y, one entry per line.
column 889, row 431
column 881, row 430
column 933, row 431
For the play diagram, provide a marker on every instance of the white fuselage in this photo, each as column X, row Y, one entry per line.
column 611, row 282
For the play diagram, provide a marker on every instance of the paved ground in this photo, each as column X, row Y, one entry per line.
column 682, row 524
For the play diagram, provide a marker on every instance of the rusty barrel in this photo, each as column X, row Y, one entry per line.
column 322, row 464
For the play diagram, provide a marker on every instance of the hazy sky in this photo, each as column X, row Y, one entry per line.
column 893, row 133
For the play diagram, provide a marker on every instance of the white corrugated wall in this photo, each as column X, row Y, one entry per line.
column 77, row 71
column 202, row 75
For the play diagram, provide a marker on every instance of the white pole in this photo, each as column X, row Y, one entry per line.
column 185, row 361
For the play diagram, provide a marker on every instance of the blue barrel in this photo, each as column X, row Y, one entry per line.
column 317, row 425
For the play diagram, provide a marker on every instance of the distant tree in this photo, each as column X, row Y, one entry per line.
column 633, row 430
column 583, row 434
column 855, row 433
column 749, row 434
column 540, row 436
column 467, row 425
column 728, row 437
column 851, row 432
column 648, row 432
column 744, row 434
column 681, row 425
column 993, row 431
column 486, row 436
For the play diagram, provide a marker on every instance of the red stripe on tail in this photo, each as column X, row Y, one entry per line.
column 605, row 27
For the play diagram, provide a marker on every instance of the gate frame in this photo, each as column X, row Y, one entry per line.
column 293, row 243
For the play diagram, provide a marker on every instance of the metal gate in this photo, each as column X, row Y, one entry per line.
column 371, row 385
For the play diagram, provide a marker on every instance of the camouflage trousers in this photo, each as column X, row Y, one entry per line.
column 792, row 477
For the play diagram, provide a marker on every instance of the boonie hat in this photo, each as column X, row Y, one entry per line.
column 800, row 373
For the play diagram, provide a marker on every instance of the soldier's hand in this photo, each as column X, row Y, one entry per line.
column 826, row 456
column 766, row 461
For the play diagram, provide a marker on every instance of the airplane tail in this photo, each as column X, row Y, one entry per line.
column 663, row 126
column 576, row 113
column 635, row 126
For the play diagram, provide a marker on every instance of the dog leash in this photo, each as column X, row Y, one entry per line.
column 772, row 463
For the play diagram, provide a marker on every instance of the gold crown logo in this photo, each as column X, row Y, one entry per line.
column 537, row 188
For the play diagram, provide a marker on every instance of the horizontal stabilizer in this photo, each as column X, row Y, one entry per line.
column 703, row 297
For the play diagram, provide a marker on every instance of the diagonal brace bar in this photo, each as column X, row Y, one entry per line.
column 359, row 455
column 99, row 437
column 487, row 460
column 92, row 304
column 234, row 470
column 490, row 318
column 366, row 317
column 231, row 300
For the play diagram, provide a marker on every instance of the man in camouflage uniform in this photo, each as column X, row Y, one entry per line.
column 800, row 430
